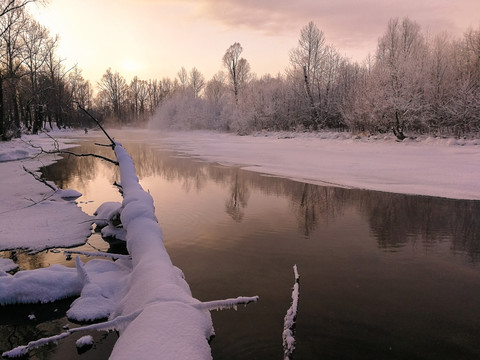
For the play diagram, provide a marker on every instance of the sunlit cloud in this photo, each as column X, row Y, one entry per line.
column 350, row 25
column 160, row 36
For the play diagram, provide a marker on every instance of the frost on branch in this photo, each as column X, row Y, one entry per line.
column 290, row 318
column 227, row 303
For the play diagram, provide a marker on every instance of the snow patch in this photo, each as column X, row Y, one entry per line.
column 84, row 341
column 6, row 265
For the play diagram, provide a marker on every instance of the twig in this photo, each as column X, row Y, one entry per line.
column 99, row 253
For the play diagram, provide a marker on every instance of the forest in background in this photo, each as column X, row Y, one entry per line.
column 414, row 83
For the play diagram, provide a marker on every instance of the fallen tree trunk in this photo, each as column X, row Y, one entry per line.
column 170, row 325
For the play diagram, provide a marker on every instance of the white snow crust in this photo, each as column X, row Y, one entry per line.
column 442, row 167
column 33, row 216
column 86, row 340
column 6, row 265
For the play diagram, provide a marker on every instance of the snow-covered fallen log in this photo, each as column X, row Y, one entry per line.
column 170, row 325
column 290, row 318
column 144, row 296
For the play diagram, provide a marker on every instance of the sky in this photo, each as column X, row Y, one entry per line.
column 153, row 39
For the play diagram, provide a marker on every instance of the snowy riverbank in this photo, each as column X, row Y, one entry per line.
column 424, row 166
column 25, row 201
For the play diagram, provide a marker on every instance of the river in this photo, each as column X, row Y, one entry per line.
column 382, row 276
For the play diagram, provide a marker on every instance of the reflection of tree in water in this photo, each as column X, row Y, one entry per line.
column 238, row 198
column 81, row 169
column 16, row 327
column 313, row 204
column 25, row 260
column 466, row 229
column 395, row 220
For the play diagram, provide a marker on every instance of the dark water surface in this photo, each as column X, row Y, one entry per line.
column 383, row 276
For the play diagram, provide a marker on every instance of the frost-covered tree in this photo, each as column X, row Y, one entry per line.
column 400, row 73
column 215, row 98
column 314, row 71
column 238, row 69
column 182, row 76
column 306, row 60
column 196, row 81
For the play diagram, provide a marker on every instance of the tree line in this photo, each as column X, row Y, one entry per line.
column 413, row 83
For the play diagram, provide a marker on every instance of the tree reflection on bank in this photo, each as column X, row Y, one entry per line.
column 395, row 220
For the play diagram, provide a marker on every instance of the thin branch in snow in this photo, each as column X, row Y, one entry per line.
column 56, row 150
column 290, row 318
column 227, row 303
column 105, row 145
column 38, row 178
column 116, row 323
column 99, row 253
column 24, row 349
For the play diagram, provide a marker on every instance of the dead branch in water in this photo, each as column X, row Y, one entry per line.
column 97, row 122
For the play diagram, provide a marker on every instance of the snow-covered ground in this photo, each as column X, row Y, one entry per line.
column 33, row 216
column 425, row 166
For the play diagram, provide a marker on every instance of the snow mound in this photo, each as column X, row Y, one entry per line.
column 84, row 341
column 6, row 265
column 103, row 282
column 40, row 285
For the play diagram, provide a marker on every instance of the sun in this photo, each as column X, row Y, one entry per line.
column 129, row 66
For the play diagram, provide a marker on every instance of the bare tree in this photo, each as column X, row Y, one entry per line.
column 238, row 68
column 183, row 77
column 401, row 57
column 306, row 59
column 196, row 81
column 37, row 41
column 114, row 91
column 7, row 6
column 13, row 22
column 81, row 93
column 139, row 96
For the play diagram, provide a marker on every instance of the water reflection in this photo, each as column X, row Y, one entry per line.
column 20, row 324
column 395, row 220
column 238, row 199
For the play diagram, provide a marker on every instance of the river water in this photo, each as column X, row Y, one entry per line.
column 382, row 276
